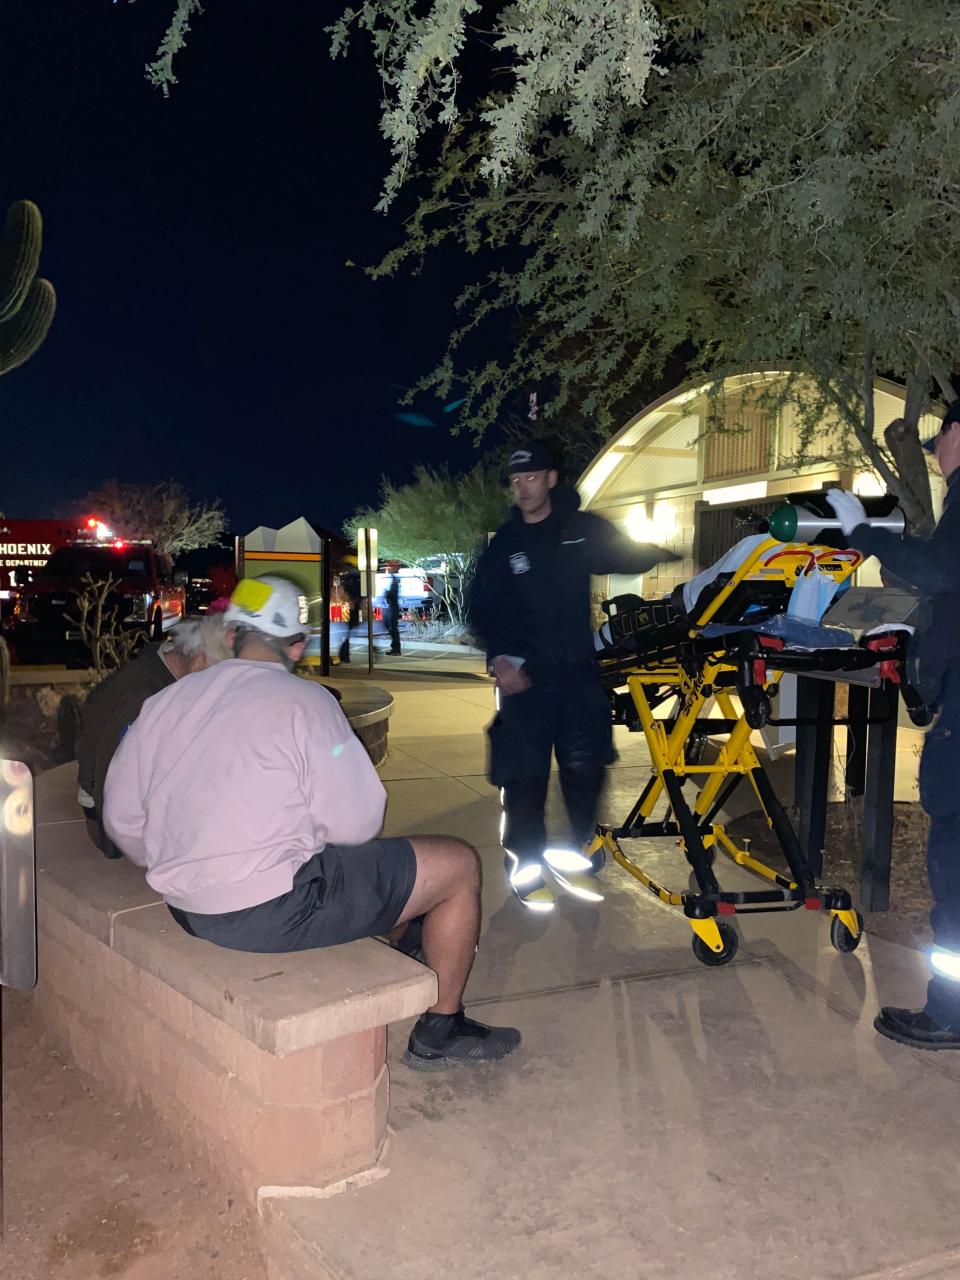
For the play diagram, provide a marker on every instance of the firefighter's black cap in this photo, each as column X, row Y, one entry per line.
column 949, row 418
column 534, row 456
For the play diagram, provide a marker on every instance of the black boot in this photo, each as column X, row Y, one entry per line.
column 915, row 1028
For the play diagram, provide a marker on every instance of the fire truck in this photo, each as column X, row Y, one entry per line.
column 29, row 544
column 40, row 616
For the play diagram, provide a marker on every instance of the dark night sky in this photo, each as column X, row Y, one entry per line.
column 208, row 329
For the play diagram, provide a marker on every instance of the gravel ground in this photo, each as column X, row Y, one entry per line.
column 95, row 1188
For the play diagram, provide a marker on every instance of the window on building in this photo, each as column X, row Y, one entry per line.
column 743, row 445
column 717, row 529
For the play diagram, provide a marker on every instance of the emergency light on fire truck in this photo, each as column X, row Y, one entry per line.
column 102, row 532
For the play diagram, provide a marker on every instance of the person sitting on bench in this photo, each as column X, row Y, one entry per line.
column 255, row 810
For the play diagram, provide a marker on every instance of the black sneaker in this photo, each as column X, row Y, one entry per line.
column 914, row 1027
column 439, row 1041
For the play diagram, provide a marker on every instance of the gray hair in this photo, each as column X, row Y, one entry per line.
column 196, row 636
column 244, row 636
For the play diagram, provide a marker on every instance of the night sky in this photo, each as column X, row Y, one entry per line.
column 208, row 329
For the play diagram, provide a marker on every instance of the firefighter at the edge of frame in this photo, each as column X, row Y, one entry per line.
column 932, row 566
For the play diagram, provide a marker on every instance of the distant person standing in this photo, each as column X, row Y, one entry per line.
column 530, row 606
column 392, row 598
column 350, row 582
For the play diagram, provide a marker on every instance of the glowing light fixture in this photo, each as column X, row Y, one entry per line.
column 753, row 492
column 868, row 485
column 660, row 525
column 946, row 963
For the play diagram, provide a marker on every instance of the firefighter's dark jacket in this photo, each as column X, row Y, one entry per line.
column 932, row 566
column 531, row 593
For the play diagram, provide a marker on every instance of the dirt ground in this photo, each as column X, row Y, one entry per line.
column 95, row 1188
column 907, row 920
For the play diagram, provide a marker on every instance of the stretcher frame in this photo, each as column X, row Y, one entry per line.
column 661, row 656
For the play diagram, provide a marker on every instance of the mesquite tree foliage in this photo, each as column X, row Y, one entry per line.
column 762, row 183
column 161, row 513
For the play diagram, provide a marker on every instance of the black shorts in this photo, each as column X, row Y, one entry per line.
column 343, row 893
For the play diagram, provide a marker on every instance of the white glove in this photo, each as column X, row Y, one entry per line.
column 848, row 509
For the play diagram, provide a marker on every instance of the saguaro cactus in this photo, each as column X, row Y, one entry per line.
column 27, row 303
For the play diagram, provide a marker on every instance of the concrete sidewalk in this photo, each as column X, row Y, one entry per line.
column 661, row 1119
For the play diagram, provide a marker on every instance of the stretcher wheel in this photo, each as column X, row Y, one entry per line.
column 841, row 937
column 706, row 955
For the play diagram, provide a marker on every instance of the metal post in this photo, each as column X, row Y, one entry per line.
column 370, row 581
column 858, row 699
column 806, row 736
column 238, row 550
column 18, row 899
column 878, row 800
column 326, row 592
column 815, row 700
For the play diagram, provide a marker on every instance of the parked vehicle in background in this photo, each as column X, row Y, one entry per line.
column 415, row 590
column 43, row 624
column 208, row 574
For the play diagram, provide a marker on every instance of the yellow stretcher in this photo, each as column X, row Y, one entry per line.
column 720, row 659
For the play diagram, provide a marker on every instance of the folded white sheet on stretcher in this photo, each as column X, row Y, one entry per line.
column 811, row 597
column 728, row 563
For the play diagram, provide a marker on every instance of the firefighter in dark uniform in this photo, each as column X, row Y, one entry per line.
column 932, row 566
column 530, row 607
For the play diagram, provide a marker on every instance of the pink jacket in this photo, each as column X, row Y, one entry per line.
column 231, row 779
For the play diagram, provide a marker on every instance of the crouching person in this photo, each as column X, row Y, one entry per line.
column 255, row 811
column 192, row 645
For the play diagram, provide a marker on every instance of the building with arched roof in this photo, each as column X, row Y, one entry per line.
column 668, row 477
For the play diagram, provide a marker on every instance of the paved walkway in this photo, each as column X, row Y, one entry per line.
column 661, row 1119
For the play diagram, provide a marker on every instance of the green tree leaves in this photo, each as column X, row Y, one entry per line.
column 437, row 517
column 784, row 195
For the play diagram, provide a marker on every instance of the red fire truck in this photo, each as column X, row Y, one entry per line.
column 30, row 543
column 49, row 573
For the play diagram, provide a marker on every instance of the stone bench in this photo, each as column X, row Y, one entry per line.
column 368, row 708
column 43, row 712
column 274, row 1064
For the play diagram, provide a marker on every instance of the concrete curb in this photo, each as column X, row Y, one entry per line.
column 433, row 646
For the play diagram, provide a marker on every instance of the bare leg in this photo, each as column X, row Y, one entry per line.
column 447, row 893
